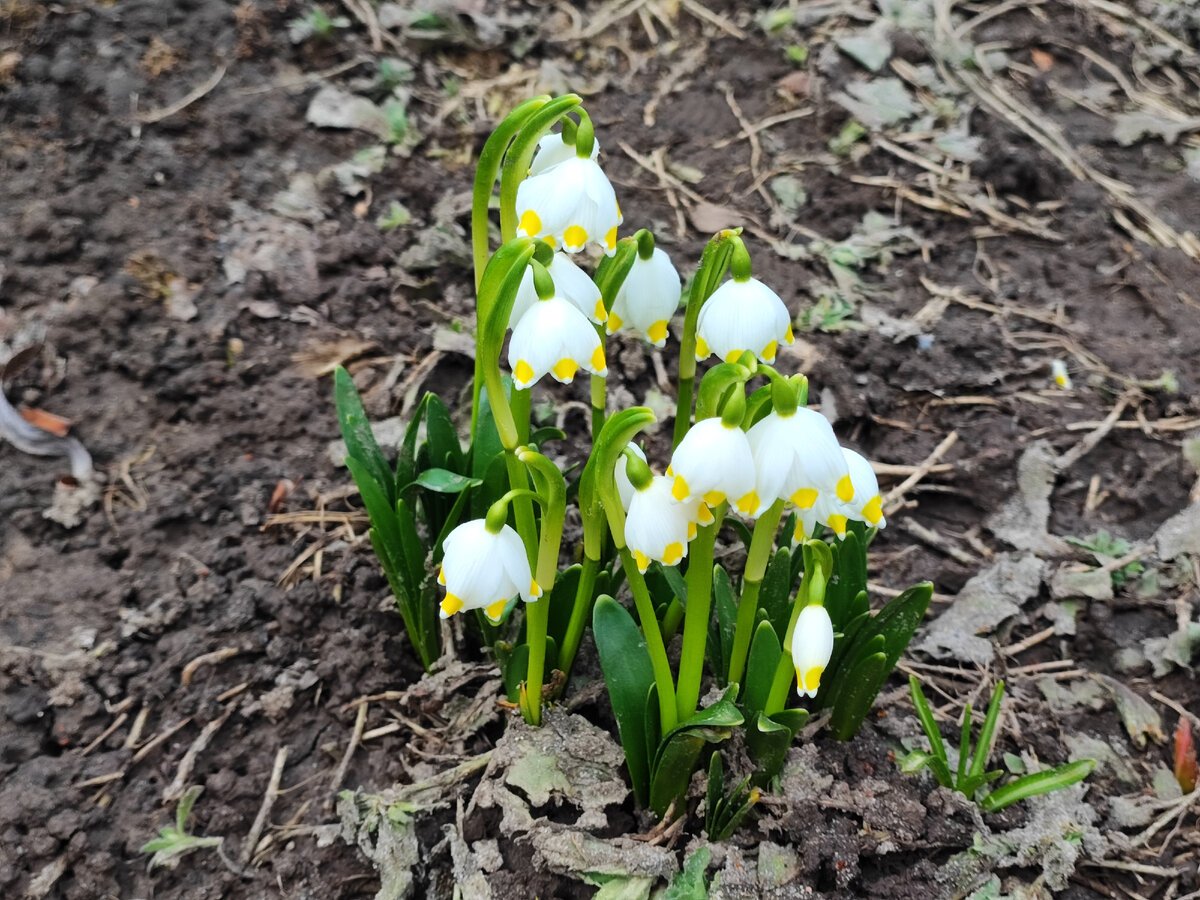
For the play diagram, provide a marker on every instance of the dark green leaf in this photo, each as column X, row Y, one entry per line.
column 680, row 748
column 760, row 668
column 443, row 481
column 406, row 453
column 776, row 592
column 562, row 602
column 855, row 699
column 546, row 434
column 383, row 518
column 987, row 734
column 360, row 440
column 444, row 446
column 629, row 675
column 725, row 622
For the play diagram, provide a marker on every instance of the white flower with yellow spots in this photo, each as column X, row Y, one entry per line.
column 552, row 149
column 570, row 282
column 713, row 462
column 812, row 645
column 554, row 337
column 740, row 316
column 568, row 205
column 658, row 527
column 648, row 298
column 796, row 458
column 483, row 570
column 867, row 504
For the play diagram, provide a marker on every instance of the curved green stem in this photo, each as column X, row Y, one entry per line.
column 695, row 624
column 599, row 398
column 756, row 567
column 654, row 642
column 580, row 614
column 520, row 155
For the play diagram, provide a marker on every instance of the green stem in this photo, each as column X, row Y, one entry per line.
column 520, row 404
column 599, row 401
column 756, row 567
column 695, row 624
column 518, row 480
column 580, row 614
column 537, row 618
column 654, row 642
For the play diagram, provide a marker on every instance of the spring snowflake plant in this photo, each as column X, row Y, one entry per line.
column 474, row 531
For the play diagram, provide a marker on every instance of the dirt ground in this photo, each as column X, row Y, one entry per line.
column 190, row 243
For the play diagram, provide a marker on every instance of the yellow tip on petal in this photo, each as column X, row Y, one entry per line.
column 565, row 369
column 704, row 515
column 804, row 498
column 575, row 237
column 748, row 504
column 680, row 490
column 658, row 331
column 442, row 575
column 712, row 498
column 643, row 563
column 600, row 314
column 523, row 372
column 531, row 223
column 733, row 356
column 702, row 350
column 812, row 678
column 838, row 523
column 496, row 610
column 873, row 511
column 450, row 605
column 598, row 363
column 788, row 337
column 535, row 589
column 614, row 321
column 691, row 530
column 845, row 489
column 798, row 534
column 769, row 351
column 551, row 240
column 673, row 553
column 610, row 239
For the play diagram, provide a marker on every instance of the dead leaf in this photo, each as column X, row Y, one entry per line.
column 1043, row 60
column 795, row 83
column 283, row 489
column 709, row 218
column 321, row 358
column 159, row 57
column 56, row 425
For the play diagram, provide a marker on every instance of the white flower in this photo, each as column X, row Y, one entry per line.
column 796, row 458
column 552, row 149
column 648, row 298
column 866, row 505
column 741, row 316
column 482, row 570
column 1058, row 371
column 570, row 282
column 570, row 203
column 555, row 337
column 812, row 645
column 625, row 488
column 658, row 527
column 714, row 462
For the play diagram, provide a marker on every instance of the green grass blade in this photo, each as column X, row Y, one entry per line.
column 1037, row 783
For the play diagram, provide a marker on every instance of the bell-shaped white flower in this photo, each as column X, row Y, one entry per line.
column 740, row 316
column 658, row 528
column 812, row 645
column 796, row 458
column 865, row 506
column 568, row 205
column 570, row 282
column 554, row 337
column 625, row 488
column 648, row 298
column 552, row 149
column 714, row 462
column 483, row 570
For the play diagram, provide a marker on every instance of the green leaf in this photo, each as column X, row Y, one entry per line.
column 987, row 734
column 444, row 446
column 383, row 517
column 628, row 675
column 760, row 668
column 715, row 385
column 724, row 624
column 1037, row 783
column 680, row 748
column 517, row 667
column 857, row 694
column 546, row 434
column 406, row 453
column 443, row 481
column 768, row 739
column 776, row 591
column 689, row 884
column 360, row 440
column 928, row 722
column 562, row 602
column 898, row 621
column 184, row 810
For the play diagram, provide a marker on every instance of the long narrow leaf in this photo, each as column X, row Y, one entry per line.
column 360, row 439
column 987, row 734
column 1037, row 783
column 629, row 675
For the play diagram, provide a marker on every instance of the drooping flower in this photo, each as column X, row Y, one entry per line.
column 552, row 149
column 625, row 488
column 570, row 282
column 554, row 337
column 866, row 505
column 648, row 297
column 812, row 645
column 796, row 458
column 658, row 527
column 569, row 204
column 713, row 461
column 483, row 570
column 740, row 316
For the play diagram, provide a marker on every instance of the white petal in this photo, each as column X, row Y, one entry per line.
column 572, row 283
column 552, row 331
column 625, row 489
column 526, row 297
column 741, row 316
column 552, row 150
column 573, row 203
column 812, row 644
column 656, row 522
column 714, row 457
column 649, row 296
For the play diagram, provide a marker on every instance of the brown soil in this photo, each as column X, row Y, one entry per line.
column 194, row 422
